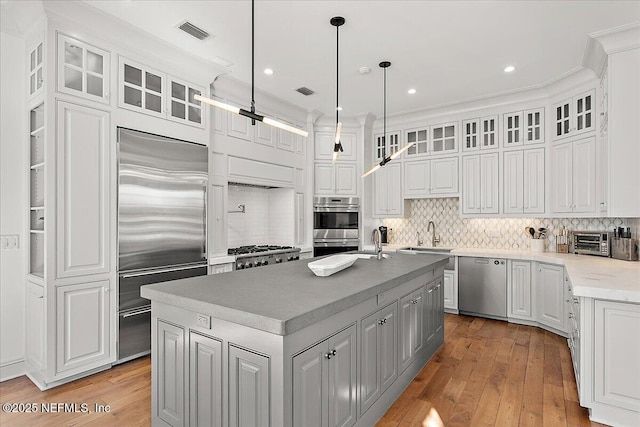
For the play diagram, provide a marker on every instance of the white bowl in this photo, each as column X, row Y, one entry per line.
column 332, row 264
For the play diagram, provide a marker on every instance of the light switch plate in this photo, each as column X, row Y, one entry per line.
column 10, row 241
column 203, row 320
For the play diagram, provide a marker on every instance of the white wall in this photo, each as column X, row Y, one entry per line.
column 12, row 204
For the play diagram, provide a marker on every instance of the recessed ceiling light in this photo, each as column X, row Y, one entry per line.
column 509, row 69
column 411, row 91
column 339, row 108
column 268, row 71
column 364, row 70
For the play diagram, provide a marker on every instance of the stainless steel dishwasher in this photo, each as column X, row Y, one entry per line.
column 482, row 287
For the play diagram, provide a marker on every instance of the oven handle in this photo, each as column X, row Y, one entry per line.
column 138, row 312
column 335, row 243
column 160, row 271
column 328, row 208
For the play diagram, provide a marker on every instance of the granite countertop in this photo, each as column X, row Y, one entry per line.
column 284, row 298
column 591, row 276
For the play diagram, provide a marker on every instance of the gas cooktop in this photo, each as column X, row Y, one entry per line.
column 259, row 249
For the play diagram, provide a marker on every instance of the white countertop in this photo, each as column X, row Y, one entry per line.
column 591, row 276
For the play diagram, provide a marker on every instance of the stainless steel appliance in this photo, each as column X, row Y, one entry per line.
column 162, row 192
column 335, row 225
column 260, row 255
column 482, row 287
column 592, row 243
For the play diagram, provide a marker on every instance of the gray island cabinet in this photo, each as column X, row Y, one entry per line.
column 278, row 346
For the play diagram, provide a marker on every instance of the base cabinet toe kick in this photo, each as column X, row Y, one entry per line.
column 344, row 370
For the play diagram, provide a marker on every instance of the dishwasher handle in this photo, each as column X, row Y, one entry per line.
column 486, row 261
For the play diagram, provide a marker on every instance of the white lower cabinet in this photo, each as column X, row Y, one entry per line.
column 248, row 388
column 324, row 382
column 520, row 301
column 387, row 191
column 411, row 327
column 435, row 311
column 550, row 297
column 205, row 380
column 450, row 291
column 35, row 325
column 83, row 329
column 378, row 367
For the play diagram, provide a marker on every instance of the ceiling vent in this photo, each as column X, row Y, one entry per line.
column 193, row 31
column 305, row 91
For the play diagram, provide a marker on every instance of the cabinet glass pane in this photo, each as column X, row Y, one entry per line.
column 178, row 91
column 437, row 145
column 152, row 102
column 178, row 109
column 537, row 134
column 587, row 103
column 411, row 137
column 412, row 150
column 566, row 110
column 437, row 133
column 448, row 131
column 579, row 126
column 537, row 119
column 39, row 58
column 449, row 144
column 566, row 126
column 33, row 61
column 72, row 78
column 94, row 62
column 132, row 75
column 559, row 113
column 194, row 114
column 94, row 85
column 587, row 119
column 153, row 82
column 422, row 135
column 422, row 148
column 559, row 129
column 579, row 107
column 39, row 79
column 132, row 96
column 72, row 54
column 32, row 83
column 192, row 93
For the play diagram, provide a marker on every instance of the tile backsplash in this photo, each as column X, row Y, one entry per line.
column 492, row 233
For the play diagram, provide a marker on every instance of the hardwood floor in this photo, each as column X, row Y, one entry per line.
column 487, row 373
column 492, row 373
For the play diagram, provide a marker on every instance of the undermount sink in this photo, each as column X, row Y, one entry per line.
column 372, row 255
column 423, row 249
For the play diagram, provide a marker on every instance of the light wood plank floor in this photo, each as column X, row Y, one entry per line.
column 487, row 373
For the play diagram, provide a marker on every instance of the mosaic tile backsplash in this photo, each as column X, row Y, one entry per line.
column 491, row 233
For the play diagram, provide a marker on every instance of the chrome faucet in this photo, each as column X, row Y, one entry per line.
column 434, row 239
column 377, row 241
column 418, row 241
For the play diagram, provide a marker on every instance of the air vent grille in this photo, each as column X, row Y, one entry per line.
column 193, row 31
column 305, row 91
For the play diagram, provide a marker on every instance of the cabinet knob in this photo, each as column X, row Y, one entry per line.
column 106, row 290
column 575, row 300
column 41, row 297
column 570, row 315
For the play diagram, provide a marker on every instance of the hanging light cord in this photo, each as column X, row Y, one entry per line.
column 384, row 119
column 253, row 54
column 337, row 73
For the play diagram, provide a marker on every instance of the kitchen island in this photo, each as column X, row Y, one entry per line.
column 280, row 346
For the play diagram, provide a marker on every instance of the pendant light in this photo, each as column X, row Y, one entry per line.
column 386, row 159
column 337, row 22
column 252, row 113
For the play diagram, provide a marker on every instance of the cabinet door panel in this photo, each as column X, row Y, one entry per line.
column 405, row 332
column 513, row 182
column 346, row 182
column 83, row 326
column 470, row 184
column 394, row 189
column 520, row 300
column 534, row 181
column 239, row 127
column 417, row 320
column 380, row 190
column 35, row 325
column 489, row 183
column 170, row 373
column 369, row 378
column 324, row 178
column 218, row 241
column 84, row 199
column 205, row 380
column 416, row 178
column 550, row 300
column 444, row 176
column 450, row 292
column 584, row 177
column 562, row 177
column 342, row 379
column 248, row 388
column 310, row 387
column 388, row 347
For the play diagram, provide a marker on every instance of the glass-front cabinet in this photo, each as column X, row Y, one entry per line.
column 83, row 69
column 533, row 126
column 386, row 148
column 183, row 107
column 141, row 88
column 574, row 116
column 470, row 134
column 36, row 69
column 489, row 132
column 512, row 129
column 420, row 141
column 443, row 138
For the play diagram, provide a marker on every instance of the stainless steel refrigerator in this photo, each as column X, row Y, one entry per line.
column 162, row 193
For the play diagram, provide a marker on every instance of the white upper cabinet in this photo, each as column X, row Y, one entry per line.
column 425, row 178
column 512, row 123
column 420, row 139
column 325, row 141
column 387, row 188
column 489, row 135
column 533, row 126
column 36, row 69
column 384, row 150
column 471, row 135
column 141, row 88
column 480, row 184
column 574, row 116
column 573, row 174
column 183, row 107
column 444, row 138
column 523, row 181
column 83, row 69
column 335, row 179
column 290, row 141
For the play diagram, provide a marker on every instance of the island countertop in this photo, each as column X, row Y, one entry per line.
column 283, row 298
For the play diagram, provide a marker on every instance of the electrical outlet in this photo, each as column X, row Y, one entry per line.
column 203, row 320
column 9, row 241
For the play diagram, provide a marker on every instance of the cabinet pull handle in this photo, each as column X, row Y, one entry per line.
column 41, row 296
column 570, row 315
column 575, row 300
column 380, row 322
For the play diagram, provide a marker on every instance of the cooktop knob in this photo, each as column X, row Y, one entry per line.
column 248, row 264
column 239, row 266
column 289, row 258
column 278, row 260
column 265, row 262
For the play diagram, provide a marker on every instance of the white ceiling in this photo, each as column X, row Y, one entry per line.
column 449, row 51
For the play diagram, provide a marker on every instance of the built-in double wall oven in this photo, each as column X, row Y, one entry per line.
column 336, row 222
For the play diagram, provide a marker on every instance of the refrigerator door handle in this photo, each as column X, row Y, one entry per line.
column 160, row 271
column 136, row 312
